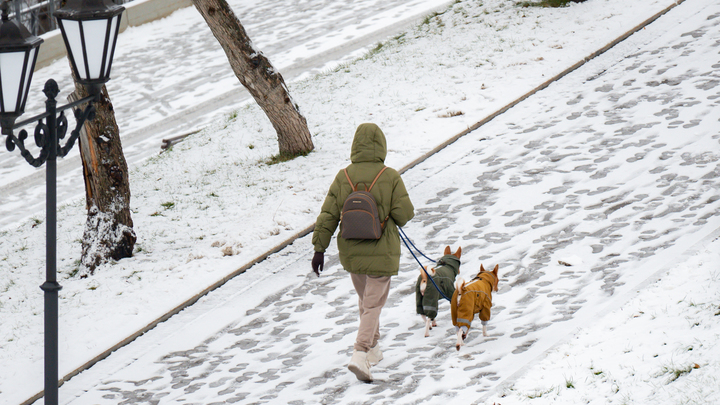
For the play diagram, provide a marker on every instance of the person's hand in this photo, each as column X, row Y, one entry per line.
column 318, row 262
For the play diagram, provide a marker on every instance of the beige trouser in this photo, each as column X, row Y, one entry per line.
column 372, row 294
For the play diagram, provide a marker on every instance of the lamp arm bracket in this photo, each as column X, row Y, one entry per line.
column 12, row 141
column 43, row 133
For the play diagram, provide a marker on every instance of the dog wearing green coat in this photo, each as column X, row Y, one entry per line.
column 427, row 296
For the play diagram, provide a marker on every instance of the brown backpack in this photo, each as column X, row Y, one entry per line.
column 359, row 218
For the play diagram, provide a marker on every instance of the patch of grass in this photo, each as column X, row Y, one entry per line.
column 76, row 269
column 677, row 372
column 374, row 51
column 451, row 114
column 548, row 3
column 428, row 18
column 283, row 157
column 569, row 383
column 7, row 287
column 168, row 205
column 539, row 394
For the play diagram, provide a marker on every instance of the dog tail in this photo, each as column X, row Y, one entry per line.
column 424, row 275
column 459, row 287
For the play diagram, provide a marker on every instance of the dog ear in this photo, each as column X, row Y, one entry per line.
column 497, row 278
column 495, row 270
column 482, row 268
column 458, row 252
column 447, row 250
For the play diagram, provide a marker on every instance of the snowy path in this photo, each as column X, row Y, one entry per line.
column 562, row 174
column 171, row 77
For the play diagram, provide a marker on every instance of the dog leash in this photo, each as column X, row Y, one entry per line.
column 405, row 240
column 413, row 245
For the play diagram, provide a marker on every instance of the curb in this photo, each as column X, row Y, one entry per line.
column 309, row 229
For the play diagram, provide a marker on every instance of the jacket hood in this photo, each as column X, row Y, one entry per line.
column 369, row 144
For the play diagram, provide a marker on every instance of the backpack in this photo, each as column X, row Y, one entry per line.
column 359, row 218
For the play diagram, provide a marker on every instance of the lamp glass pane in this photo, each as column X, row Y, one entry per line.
column 28, row 76
column 113, row 40
column 95, row 32
column 72, row 34
column 11, row 65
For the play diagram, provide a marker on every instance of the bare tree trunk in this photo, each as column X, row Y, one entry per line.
column 259, row 77
column 109, row 230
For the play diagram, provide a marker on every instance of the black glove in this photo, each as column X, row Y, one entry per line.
column 318, row 262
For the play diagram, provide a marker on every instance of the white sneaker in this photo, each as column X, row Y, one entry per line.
column 374, row 355
column 359, row 366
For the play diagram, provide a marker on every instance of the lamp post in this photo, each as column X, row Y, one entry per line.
column 90, row 29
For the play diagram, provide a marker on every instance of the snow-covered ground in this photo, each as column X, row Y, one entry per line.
column 659, row 348
column 614, row 169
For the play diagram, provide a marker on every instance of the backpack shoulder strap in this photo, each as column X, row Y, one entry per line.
column 350, row 181
column 376, row 177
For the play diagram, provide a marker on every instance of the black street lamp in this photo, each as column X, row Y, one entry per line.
column 90, row 29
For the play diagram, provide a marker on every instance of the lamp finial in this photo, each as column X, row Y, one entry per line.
column 4, row 7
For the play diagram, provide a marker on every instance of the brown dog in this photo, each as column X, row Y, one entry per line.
column 473, row 298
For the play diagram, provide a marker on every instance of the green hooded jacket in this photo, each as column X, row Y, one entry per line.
column 372, row 257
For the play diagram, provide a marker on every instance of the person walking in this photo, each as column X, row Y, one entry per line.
column 370, row 262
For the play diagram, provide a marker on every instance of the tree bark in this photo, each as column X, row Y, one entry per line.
column 259, row 77
column 109, row 230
